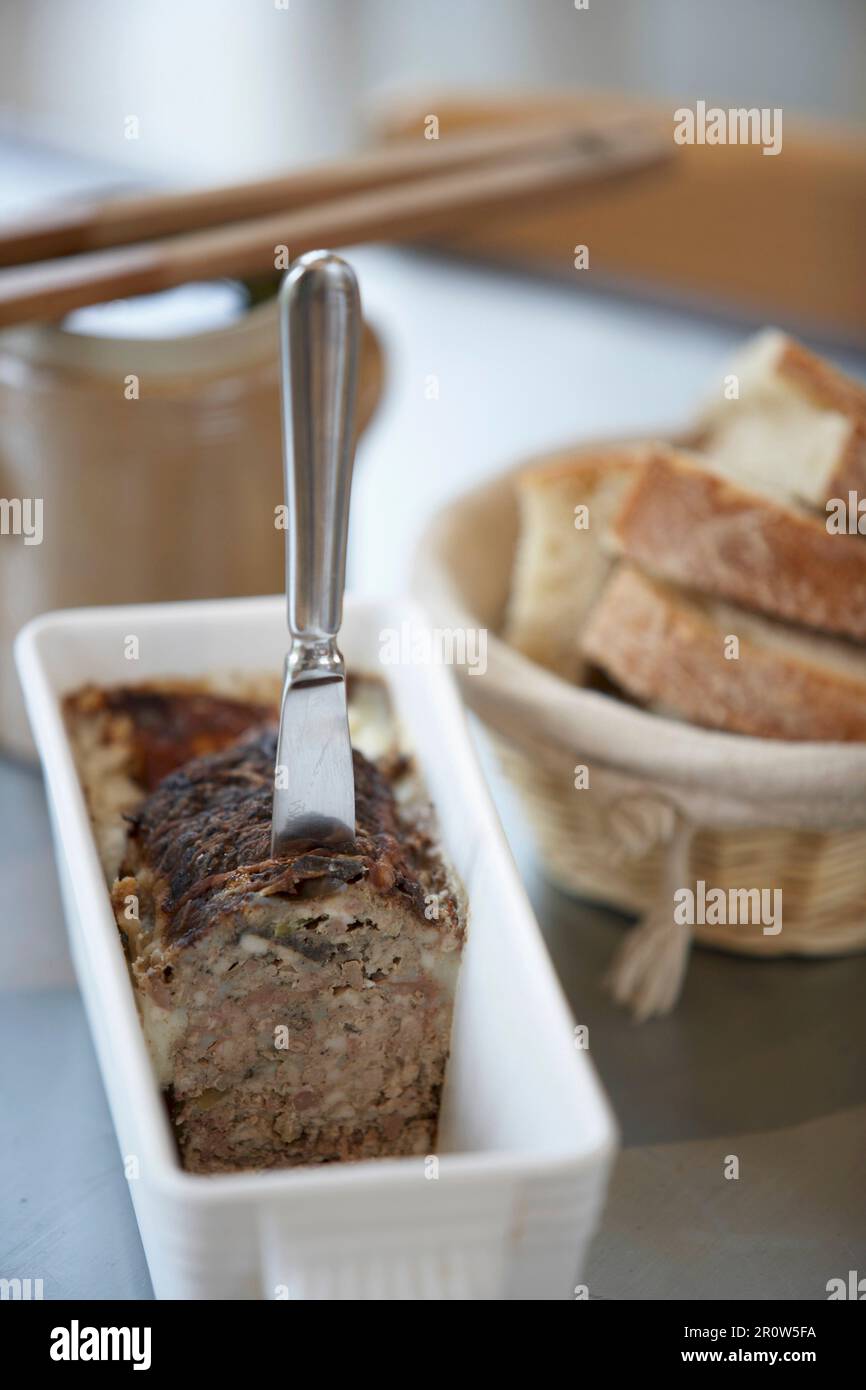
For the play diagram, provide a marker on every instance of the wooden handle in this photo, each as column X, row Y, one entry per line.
column 768, row 240
column 404, row 211
column 75, row 228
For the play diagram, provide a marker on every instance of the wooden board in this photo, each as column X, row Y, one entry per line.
column 778, row 239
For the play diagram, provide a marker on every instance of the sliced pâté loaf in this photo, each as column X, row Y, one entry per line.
column 559, row 566
column 667, row 648
column 298, row 1009
column 797, row 425
column 691, row 523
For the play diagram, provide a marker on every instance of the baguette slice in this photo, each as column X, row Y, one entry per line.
column 684, row 520
column 798, row 425
column 666, row 648
column 560, row 569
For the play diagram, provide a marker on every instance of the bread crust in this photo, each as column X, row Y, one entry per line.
column 686, row 522
column 819, row 382
column 797, row 424
column 829, row 389
column 668, row 649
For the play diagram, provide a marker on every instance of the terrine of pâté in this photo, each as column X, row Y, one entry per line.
column 297, row 1010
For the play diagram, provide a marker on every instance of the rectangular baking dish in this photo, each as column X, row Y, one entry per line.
column 507, row 1208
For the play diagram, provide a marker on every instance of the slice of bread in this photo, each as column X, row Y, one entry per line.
column 560, row 563
column 797, row 425
column 685, row 520
column 667, row 648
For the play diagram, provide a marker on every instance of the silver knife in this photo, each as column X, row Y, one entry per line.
column 320, row 318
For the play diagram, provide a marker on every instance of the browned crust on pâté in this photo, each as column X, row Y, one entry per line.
column 206, row 831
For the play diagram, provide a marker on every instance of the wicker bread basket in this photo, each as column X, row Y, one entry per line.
column 668, row 804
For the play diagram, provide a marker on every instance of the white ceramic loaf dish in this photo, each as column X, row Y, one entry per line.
column 526, row 1138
